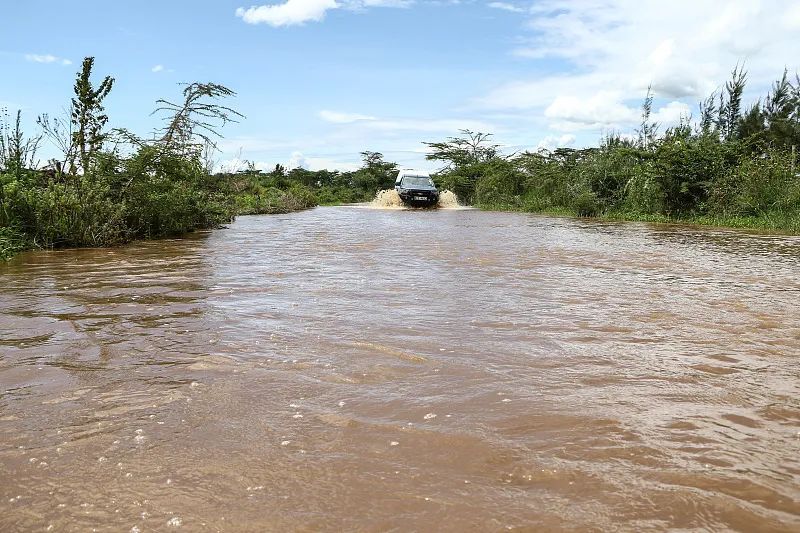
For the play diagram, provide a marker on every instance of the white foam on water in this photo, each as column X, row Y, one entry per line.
column 389, row 199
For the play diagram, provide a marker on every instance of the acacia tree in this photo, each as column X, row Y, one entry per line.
column 467, row 158
column 375, row 174
column 88, row 117
column 470, row 148
column 190, row 125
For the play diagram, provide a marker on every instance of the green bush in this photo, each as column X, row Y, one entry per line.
column 586, row 204
column 642, row 194
column 500, row 184
column 11, row 242
column 760, row 184
column 76, row 213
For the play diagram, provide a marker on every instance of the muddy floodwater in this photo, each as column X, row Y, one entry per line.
column 385, row 370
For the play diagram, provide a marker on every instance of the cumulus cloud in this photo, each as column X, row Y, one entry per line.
column 672, row 113
column 297, row 160
column 601, row 110
column 157, row 68
column 337, row 145
column 289, row 13
column 551, row 142
column 296, row 12
column 608, row 52
column 47, row 58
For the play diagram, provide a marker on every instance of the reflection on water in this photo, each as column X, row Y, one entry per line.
column 362, row 369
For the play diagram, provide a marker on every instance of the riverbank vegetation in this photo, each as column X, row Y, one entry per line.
column 257, row 191
column 735, row 166
column 108, row 187
column 111, row 186
column 732, row 166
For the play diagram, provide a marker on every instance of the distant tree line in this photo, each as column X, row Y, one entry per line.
column 260, row 192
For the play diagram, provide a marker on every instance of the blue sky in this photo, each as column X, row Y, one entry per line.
column 322, row 80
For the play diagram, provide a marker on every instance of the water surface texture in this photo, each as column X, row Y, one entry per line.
column 389, row 370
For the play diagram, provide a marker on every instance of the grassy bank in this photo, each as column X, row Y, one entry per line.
column 773, row 224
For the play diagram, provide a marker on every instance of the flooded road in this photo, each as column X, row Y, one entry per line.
column 377, row 370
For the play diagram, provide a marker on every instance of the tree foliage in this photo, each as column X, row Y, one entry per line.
column 17, row 152
column 88, row 115
column 469, row 148
column 194, row 122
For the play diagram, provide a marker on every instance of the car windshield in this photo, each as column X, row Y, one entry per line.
column 416, row 181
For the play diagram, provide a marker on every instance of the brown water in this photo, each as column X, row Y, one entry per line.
column 379, row 370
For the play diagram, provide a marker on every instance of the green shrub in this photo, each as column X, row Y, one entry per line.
column 11, row 242
column 499, row 185
column 586, row 204
column 642, row 193
column 65, row 214
column 760, row 184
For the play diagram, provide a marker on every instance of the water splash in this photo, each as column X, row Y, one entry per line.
column 389, row 199
column 448, row 200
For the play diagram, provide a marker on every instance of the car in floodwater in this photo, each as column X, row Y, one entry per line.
column 416, row 189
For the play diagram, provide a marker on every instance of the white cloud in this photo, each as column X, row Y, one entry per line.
column 47, row 58
column 157, row 68
column 671, row 114
column 594, row 59
column 296, row 12
column 298, row 160
column 289, row 13
column 250, row 144
column 505, row 6
column 362, row 124
column 342, row 118
column 602, row 110
column 551, row 142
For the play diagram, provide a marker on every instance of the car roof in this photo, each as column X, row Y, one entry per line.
column 413, row 174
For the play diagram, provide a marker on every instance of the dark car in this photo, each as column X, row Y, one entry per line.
column 416, row 189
